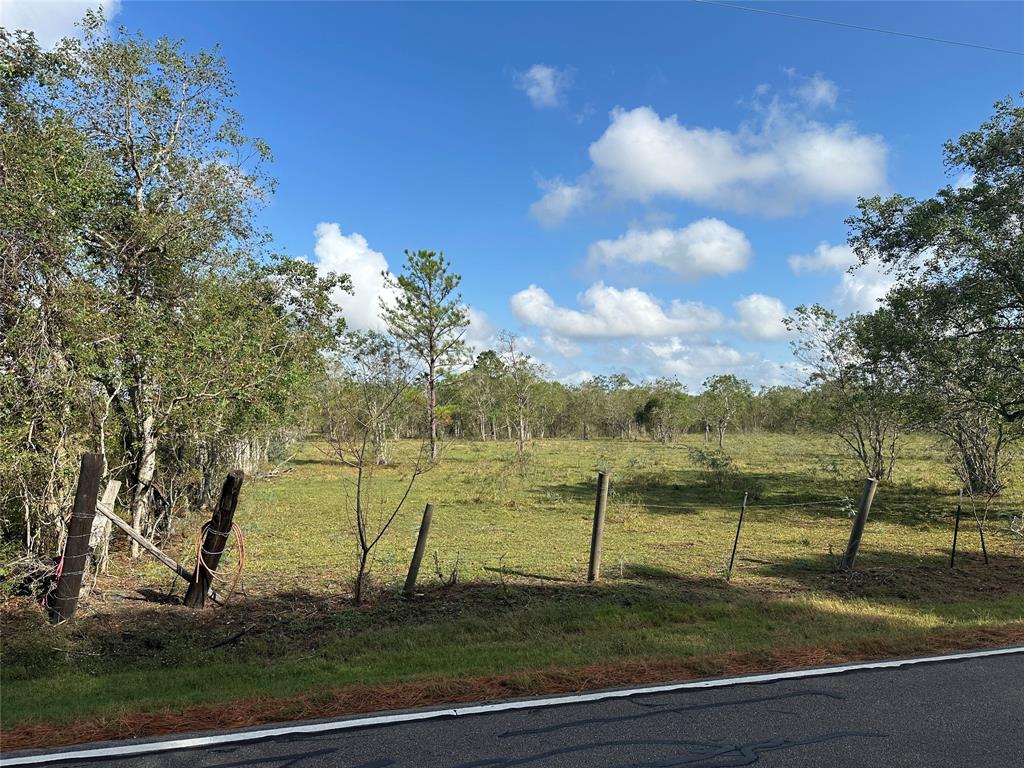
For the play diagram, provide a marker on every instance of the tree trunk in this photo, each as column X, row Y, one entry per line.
column 432, row 408
column 144, row 472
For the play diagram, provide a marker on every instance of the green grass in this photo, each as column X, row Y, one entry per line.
column 522, row 603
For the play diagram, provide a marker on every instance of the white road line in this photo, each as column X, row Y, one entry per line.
column 237, row 737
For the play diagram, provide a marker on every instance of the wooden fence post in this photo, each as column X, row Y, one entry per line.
column 63, row 601
column 956, row 527
column 863, row 507
column 217, row 531
column 736, row 541
column 597, row 536
column 417, row 555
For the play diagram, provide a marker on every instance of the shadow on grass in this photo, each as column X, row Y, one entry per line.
column 902, row 576
column 274, row 645
column 684, row 491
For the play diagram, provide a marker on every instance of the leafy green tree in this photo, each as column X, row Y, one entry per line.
column 666, row 411
column 429, row 317
column 953, row 323
column 519, row 379
column 723, row 397
column 481, row 391
column 859, row 394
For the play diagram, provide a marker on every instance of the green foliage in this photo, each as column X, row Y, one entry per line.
column 952, row 326
column 428, row 316
column 715, row 465
column 141, row 316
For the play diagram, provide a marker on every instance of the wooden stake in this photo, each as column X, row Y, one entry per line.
column 863, row 507
column 597, row 536
column 417, row 555
column 736, row 541
column 956, row 527
column 63, row 602
column 216, row 537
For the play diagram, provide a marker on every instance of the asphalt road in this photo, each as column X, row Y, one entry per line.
column 960, row 713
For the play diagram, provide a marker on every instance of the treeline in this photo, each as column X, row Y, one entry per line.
column 493, row 401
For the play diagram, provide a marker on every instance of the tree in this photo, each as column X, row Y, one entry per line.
column 376, row 376
column 429, row 317
column 953, row 322
column 480, row 391
column 666, row 410
column 723, row 396
column 858, row 392
column 958, row 262
column 520, row 375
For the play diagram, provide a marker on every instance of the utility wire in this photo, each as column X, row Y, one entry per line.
column 861, row 27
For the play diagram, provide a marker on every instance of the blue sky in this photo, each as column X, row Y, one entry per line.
column 634, row 187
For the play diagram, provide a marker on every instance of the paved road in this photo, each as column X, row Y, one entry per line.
column 961, row 713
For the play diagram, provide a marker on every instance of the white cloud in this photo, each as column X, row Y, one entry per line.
column 544, row 85
column 561, row 346
column 816, row 91
column 861, row 289
column 693, row 362
column 352, row 255
column 705, row 247
column 826, row 258
column 860, row 285
column 760, row 317
column 780, row 164
column 559, row 201
column 51, row 20
column 610, row 313
column 481, row 332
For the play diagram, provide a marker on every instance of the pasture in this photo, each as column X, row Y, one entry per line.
column 504, row 607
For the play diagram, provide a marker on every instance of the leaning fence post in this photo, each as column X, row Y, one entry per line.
column 863, row 507
column 736, row 541
column 417, row 555
column 956, row 527
column 217, row 530
column 63, row 601
column 597, row 536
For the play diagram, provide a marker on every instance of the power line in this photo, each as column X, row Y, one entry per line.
column 860, row 27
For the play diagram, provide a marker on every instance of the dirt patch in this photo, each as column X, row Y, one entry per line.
column 358, row 699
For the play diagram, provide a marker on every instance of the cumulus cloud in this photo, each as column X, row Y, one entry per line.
column 859, row 289
column 779, row 164
column 481, row 333
column 559, row 201
column 544, row 85
column 826, row 258
column 51, row 20
column 352, row 255
column 760, row 317
column 609, row 313
column 817, row 91
column 692, row 362
column 705, row 247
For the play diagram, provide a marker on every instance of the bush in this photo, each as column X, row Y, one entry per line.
column 715, row 466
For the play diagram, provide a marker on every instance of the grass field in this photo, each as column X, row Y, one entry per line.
column 522, row 618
